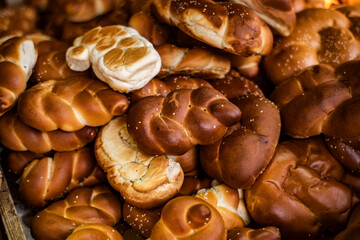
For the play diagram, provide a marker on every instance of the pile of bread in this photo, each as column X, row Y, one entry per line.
column 183, row 119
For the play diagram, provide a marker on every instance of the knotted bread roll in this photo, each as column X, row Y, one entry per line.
column 301, row 191
column 224, row 25
column 70, row 104
column 185, row 117
column 189, row 217
column 118, row 55
column 45, row 180
column 229, row 202
column 17, row 136
column 82, row 205
column 94, row 231
column 144, row 181
column 17, row 59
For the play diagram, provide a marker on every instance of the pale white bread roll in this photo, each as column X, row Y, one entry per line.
column 144, row 181
column 229, row 202
column 118, row 55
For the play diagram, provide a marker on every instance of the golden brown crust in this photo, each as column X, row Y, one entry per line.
column 184, row 118
column 299, row 192
column 70, row 104
column 229, row 26
column 82, row 205
column 17, row 136
column 266, row 233
column 189, row 217
column 47, row 179
column 17, row 161
column 94, row 231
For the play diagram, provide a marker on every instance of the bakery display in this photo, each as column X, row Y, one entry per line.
column 181, row 119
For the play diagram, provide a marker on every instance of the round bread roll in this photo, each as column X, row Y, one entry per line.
column 320, row 36
column 144, row 181
column 94, row 231
column 118, row 55
column 82, row 205
column 189, row 217
column 70, row 104
column 301, row 191
column 229, row 202
column 176, row 123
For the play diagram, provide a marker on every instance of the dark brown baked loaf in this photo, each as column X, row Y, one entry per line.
column 225, row 25
column 82, row 205
column 70, row 104
column 189, row 217
column 352, row 230
column 94, row 231
column 301, row 191
column 47, row 179
column 18, row 57
column 185, row 117
column 17, row 136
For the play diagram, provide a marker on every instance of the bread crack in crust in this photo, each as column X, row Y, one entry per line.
column 119, row 56
column 143, row 180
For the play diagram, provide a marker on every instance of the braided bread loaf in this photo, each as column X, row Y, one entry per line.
column 229, row 202
column 17, row 136
column 17, row 161
column 118, row 55
column 82, row 205
column 225, row 25
column 17, row 59
column 301, row 191
column 185, row 117
column 189, row 217
column 144, row 181
column 94, row 231
column 70, row 104
column 47, row 179
column 196, row 62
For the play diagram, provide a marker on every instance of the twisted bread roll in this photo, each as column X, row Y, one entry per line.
column 17, row 59
column 17, row 161
column 185, row 117
column 247, row 66
column 229, row 202
column 118, row 55
column 70, row 104
column 141, row 220
column 279, row 15
column 82, row 205
column 94, row 231
column 189, row 217
column 246, row 149
column 144, row 181
column 266, row 233
column 196, row 62
column 149, row 28
column 228, row 26
column 301, row 192
column 320, row 36
column 352, row 230
column 47, row 179
column 162, row 88
column 17, row 136
column 53, row 66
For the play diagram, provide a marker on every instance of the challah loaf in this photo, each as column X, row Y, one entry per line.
column 144, row 181
column 229, row 202
column 301, row 192
column 17, row 59
column 189, row 217
column 196, row 62
column 17, row 136
column 70, row 104
column 47, row 179
column 94, row 231
column 185, row 117
column 17, row 161
column 118, row 55
column 82, row 205
column 247, row 66
column 224, row 25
